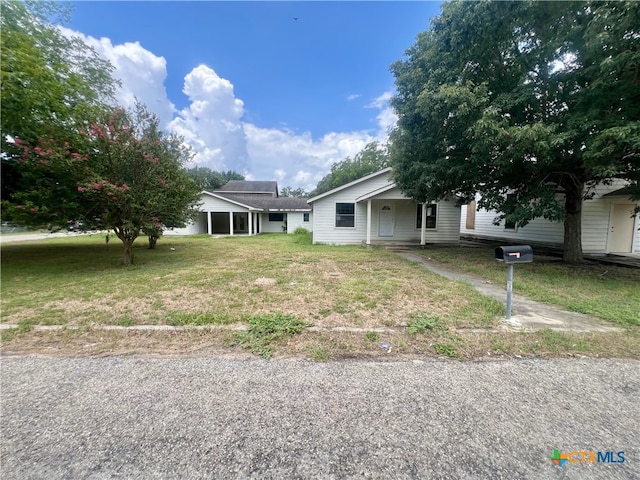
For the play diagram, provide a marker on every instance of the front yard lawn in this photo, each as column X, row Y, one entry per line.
column 277, row 285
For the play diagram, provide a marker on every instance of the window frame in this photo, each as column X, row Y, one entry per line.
column 276, row 214
column 347, row 215
column 305, row 217
column 434, row 216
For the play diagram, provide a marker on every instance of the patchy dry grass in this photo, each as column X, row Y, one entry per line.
column 80, row 281
column 606, row 291
column 216, row 283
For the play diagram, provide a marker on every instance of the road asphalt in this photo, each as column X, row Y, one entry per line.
column 223, row 418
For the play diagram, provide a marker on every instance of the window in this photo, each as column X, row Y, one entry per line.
column 345, row 215
column 305, row 217
column 276, row 217
column 431, row 216
column 510, row 206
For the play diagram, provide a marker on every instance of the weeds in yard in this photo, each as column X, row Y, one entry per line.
column 9, row 334
column 265, row 330
column 321, row 354
column 445, row 349
column 372, row 336
column 422, row 323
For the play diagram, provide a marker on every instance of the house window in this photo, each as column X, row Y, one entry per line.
column 305, row 217
column 510, row 206
column 345, row 215
column 276, row 217
column 431, row 216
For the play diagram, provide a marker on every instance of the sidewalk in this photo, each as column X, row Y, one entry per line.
column 527, row 314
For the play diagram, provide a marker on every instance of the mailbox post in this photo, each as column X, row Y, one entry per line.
column 511, row 255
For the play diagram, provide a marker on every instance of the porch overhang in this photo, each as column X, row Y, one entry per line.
column 379, row 191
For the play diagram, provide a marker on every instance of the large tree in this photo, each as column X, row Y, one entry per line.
column 537, row 99
column 50, row 85
column 370, row 159
column 137, row 178
column 126, row 175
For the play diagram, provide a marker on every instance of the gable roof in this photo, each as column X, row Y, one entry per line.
column 347, row 185
column 249, row 186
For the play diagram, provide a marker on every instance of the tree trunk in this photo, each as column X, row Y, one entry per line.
column 573, row 223
column 127, row 236
column 128, row 251
column 152, row 241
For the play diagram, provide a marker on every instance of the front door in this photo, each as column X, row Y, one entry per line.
column 386, row 222
column 621, row 227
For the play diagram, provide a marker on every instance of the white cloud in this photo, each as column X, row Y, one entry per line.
column 213, row 121
column 141, row 73
column 353, row 96
column 387, row 118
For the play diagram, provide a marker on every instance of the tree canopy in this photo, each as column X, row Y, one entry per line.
column 127, row 176
column 538, row 99
column 293, row 192
column 372, row 158
column 209, row 180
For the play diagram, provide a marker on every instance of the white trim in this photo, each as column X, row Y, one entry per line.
column 369, row 221
column 376, row 192
column 347, row 185
column 220, row 197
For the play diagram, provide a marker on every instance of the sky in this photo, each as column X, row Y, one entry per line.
column 251, row 88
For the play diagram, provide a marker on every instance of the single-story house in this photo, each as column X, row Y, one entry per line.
column 372, row 209
column 243, row 207
column 607, row 224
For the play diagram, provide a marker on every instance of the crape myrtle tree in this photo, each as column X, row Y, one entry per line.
column 137, row 182
column 125, row 174
column 538, row 99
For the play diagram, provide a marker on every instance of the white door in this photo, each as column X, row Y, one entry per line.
column 386, row 222
column 621, row 227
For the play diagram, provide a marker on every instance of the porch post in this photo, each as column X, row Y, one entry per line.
column 230, row 223
column 423, row 229
column 369, row 221
column 209, row 229
column 250, row 223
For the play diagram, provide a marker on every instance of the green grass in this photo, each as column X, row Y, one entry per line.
column 278, row 284
column 266, row 330
column 201, row 280
column 422, row 323
column 605, row 291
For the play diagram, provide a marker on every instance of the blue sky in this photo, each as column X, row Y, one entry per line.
column 252, row 89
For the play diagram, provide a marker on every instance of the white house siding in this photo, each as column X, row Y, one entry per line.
column 271, row 227
column 324, row 212
column 596, row 214
column 539, row 231
column 296, row 219
column 405, row 214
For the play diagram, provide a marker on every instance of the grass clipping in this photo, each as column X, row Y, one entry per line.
column 267, row 329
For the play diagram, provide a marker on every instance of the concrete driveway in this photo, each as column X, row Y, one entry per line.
column 216, row 417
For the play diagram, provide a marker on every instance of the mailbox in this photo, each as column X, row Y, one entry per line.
column 515, row 254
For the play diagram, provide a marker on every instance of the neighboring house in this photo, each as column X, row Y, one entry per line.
column 607, row 224
column 372, row 209
column 248, row 207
